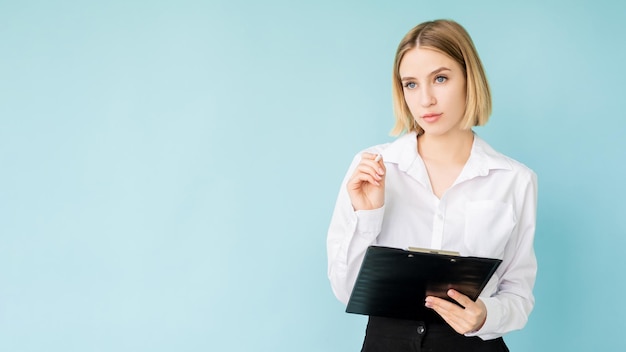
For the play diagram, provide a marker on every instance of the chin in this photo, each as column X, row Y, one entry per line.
column 438, row 131
column 435, row 131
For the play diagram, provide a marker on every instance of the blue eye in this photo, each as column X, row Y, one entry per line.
column 441, row 79
column 410, row 85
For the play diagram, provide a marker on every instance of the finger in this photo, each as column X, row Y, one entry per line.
column 360, row 177
column 451, row 312
column 368, row 170
column 437, row 301
column 380, row 164
column 370, row 156
column 442, row 306
column 357, row 182
column 376, row 168
column 460, row 298
column 464, row 320
column 375, row 161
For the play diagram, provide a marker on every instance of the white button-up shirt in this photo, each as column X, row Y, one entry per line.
column 489, row 211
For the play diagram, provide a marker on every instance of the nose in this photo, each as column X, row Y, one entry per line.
column 427, row 98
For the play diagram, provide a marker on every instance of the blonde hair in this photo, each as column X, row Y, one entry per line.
column 451, row 39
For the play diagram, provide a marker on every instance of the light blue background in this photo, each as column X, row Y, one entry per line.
column 168, row 168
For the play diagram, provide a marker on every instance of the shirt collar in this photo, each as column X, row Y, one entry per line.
column 402, row 151
column 483, row 158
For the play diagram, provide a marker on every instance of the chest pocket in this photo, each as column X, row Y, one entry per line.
column 488, row 227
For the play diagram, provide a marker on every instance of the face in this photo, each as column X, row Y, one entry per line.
column 434, row 90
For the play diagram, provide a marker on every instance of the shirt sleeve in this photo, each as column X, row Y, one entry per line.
column 508, row 309
column 349, row 234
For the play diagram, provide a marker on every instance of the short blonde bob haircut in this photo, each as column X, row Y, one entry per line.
column 451, row 39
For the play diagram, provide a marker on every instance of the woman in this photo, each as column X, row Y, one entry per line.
column 440, row 186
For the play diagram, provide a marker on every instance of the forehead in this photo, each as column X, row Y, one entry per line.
column 421, row 61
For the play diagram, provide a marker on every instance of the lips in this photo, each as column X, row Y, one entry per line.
column 431, row 117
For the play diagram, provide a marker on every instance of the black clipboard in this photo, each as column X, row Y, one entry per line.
column 395, row 282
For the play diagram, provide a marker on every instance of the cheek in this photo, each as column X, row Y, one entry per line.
column 456, row 99
column 411, row 99
column 462, row 96
column 410, row 102
column 414, row 108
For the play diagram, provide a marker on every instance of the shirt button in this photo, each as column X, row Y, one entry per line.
column 420, row 329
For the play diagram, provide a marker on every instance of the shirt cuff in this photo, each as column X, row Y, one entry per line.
column 369, row 222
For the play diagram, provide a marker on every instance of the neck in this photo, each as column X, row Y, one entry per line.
column 451, row 147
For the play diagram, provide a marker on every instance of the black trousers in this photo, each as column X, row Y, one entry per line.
column 398, row 335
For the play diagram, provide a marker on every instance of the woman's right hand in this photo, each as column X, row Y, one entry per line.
column 366, row 186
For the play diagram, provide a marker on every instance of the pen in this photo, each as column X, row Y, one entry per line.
column 378, row 157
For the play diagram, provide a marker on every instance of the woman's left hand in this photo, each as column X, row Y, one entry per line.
column 463, row 320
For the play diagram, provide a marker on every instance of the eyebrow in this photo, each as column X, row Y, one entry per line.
column 440, row 69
